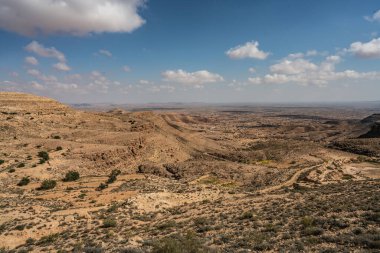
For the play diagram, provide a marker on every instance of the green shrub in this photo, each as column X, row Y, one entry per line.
column 307, row 221
column 21, row 165
column 166, row 225
column 313, row 231
column 56, row 137
column 43, row 155
column 179, row 244
column 109, row 223
column 113, row 176
column 48, row 239
column 71, row 176
column 101, row 187
column 246, row 216
column 47, row 185
column 2, row 161
column 20, row 227
column 24, row 181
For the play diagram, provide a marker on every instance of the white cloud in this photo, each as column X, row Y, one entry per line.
column 368, row 50
column 30, row 17
column 248, row 50
column 252, row 70
column 293, row 66
column 144, row 82
column 126, row 68
column 39, row 49
column 105, row 53
column 37, row 85
column 304, row 72
column 31, row 60
column 159, row 88
column 195, row 78
column 99, row 82
column 37, row 74
column 255, row 80
column 61, row 66
column 312, row 53
column 374, row 17
column 295, row 55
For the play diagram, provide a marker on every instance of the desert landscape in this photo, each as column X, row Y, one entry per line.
column 206, row 179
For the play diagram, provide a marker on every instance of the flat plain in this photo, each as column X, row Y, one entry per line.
column 202, row 179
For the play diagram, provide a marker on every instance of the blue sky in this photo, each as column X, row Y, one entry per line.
column 135, row 51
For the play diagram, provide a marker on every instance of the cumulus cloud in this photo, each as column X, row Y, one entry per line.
column 309, row 53
column 40, row 50
column 73, row 17
column 194, row 78
column 105, row 53
column 304, row 72
column 374, row 17
column 159, row 88
column 61, row 66
column 144, row 82
column 248, row 50
column 99, row 82
column 37, row 74
column 36, row 85
column 293, row 67
column 31, row 60
column 367, row 50
column 252, row 70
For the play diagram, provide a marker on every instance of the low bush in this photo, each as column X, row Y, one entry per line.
column 102, row 186
column 113, row 176
column 43, row 155
column 179, row 244
column 47, row 185
column 109, row 223
column 24, row 181
column 71, row 176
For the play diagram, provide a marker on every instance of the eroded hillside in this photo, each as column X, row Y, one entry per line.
column 259, row 179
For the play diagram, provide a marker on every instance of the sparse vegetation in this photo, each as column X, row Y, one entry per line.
column 179, row 244
column 21, row 165
column 47, row 185
column 44, row 156
column 24, row 181
column 241, row 181
column 101, row 187
column 109, row 223
column 113, row 176
column 71, row 176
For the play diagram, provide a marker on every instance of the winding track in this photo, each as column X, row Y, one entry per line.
column 291, row 181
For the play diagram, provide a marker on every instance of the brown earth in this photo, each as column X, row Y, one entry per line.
column 237, row 179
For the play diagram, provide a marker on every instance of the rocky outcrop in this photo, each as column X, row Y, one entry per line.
column 373, row 133
column 371, row 119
